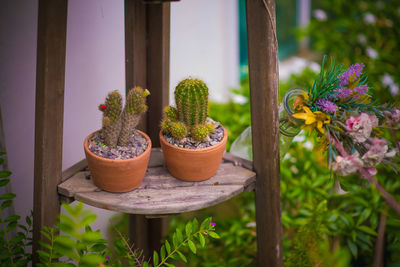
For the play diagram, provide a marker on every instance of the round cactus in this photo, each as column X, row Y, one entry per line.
column 200, row 132
column 178, row 130
column 191, row 98
column 171, row 113
column 166, row 126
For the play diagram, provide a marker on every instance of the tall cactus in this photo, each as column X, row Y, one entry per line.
column 189, row 116
column 112, row 109
column 191, row 98
column 135, row 105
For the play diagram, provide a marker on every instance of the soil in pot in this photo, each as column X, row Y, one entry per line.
column 123, row 168
column 190, row 160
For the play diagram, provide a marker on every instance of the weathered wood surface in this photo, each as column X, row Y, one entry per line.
column 160, row 193
column 263, row 74
column 50, row 79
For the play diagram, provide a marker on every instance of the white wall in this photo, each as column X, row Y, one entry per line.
column 203, row 44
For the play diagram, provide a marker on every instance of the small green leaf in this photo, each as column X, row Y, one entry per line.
column 179, row 235
column 192, row 246
column 92, row 236
column 168, row 246
column 91, row 259
column 174, row 240
column 188, row 229
column 65, row 241
column 155, row 258
column 213, row 235
column 7, row 196
column 5, row 204
column 162, row 253
column 28, row 220
column 352, row 247
column 4, row 182
column 1, row 161
column 181, row 256
column 45, row 234
column 195, row 225
column 202, row 240
column 168, row 264
column 363, row 216
column 12, row 218
column 205, row 224
column 88, row 219
column 4, row 174
column 146, row 264
column 367, row 230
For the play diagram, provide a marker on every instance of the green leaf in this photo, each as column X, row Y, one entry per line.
column 1, row 161
column 181, row 256
column 202, row 240
column 45, row 234
column 155, row 258
column 92, row 236
column 91, row 259
column 7, row 196
column 213, row 235
column 28, row 220
column 205, row 224
column 146, row 264
column 4, row 174
column 88, row 219
column 2, row 153
column 367, row 229
column 195, row 225
column 192, row 246
column 174, row 240
column 168, row 246
column 4, row 182
column 65, row 241
column 45, row 244
column 5, row 204
column 179, row 235
column 12, row 218
column 43, row 254
column 352, row 247
column 162, row 253
column 188, row 229
column 168, row 264
column 363, row 216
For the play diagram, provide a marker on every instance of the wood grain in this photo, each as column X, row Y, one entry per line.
column 263, row 74
column 162, row 194
column 50, row 78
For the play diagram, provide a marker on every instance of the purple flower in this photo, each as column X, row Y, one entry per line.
column 350, row 75
column 361, row 90
column 342, row 93
column 326, row 105
column 213, row 224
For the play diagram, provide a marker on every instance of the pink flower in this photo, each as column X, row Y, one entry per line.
column 376, row 152
column 360, row 128
column 396, row 115
column 347, row 165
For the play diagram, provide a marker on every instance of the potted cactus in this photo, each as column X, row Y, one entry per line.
column 192, row 143
column 118, row 154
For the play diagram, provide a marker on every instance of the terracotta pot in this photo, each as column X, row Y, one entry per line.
column 117, row 175
column 193, row 164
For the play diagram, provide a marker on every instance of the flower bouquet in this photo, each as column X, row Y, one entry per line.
column 349, row 125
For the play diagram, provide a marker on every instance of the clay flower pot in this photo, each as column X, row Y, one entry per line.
column 193, row 165
column 117, row 175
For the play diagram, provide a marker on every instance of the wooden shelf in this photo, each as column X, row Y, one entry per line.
column 160, row 193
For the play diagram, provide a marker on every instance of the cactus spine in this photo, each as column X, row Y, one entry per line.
column 119, row 125
column 190, row 114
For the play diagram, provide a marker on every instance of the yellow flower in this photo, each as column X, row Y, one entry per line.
column 313, row 120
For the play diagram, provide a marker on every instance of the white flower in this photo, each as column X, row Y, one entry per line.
column 369, row 18
column 360, row 128
column 319, row 14
column 394, row 89
column 361, row 39
column 371, row 53
column 376, row 152
column 387, row 79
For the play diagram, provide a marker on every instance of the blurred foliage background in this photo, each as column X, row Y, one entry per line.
column 321, row 226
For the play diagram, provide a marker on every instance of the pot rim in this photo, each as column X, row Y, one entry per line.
column 86, row 147
column 195, row 150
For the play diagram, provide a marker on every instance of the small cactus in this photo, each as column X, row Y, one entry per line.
column 135, row 105
column 112, row 109
column 189, row 116
column 119, row 125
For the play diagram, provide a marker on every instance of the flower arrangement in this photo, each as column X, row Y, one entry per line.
column 348, row 123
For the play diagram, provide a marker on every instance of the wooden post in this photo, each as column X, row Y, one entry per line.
column 147, row 31
column 263, row 74
column 50, row 79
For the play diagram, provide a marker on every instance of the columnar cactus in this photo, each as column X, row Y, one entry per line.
column 112, row 109
column 119, row 125
column 135, row 105
column 189, row 116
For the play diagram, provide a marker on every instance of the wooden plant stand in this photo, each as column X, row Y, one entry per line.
column 147, row 37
